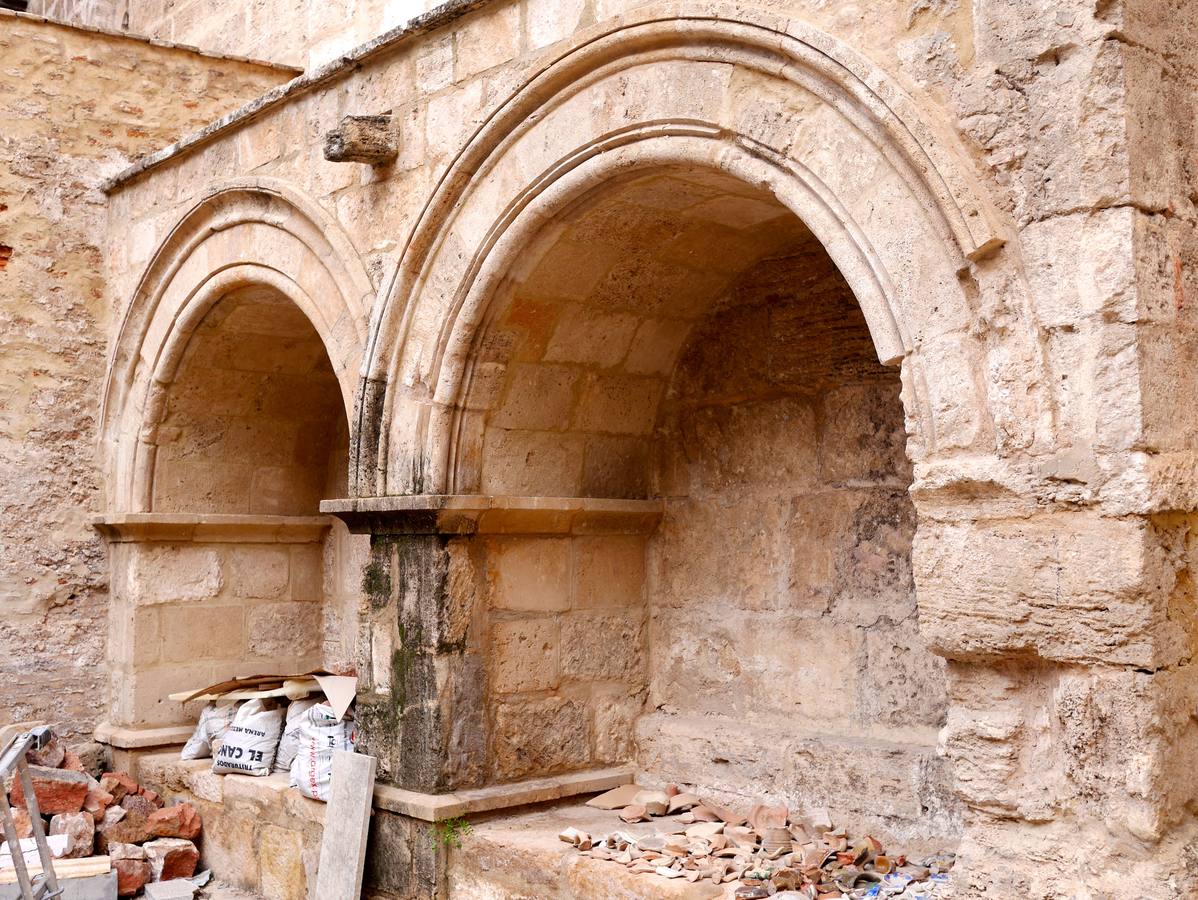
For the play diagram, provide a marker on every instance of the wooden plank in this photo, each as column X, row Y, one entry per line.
column 346, row 824
column 64, row 868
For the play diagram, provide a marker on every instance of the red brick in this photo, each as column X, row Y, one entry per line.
column 80, row 827
column 70, row 760
column 121, row 826
column 97, row 799
column 136, row 803
column 119, row 784
column 21, row 819
column 179, row 821
column 57, row 790
column 172, row 858
column 131, row 876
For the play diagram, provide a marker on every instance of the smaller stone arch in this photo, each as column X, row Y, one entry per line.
column 240, row 234
column 225, row 423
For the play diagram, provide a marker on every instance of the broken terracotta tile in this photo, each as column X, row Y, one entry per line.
column 616, row 798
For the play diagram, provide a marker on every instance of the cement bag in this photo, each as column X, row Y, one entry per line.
column 215, row 719
column 318, row 736
column 289, row 742
column 250, row 743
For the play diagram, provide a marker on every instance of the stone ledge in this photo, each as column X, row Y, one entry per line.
column 141, row 738
column 167, row 769
column 485, row 514
column 439, row 807
column 121, row 528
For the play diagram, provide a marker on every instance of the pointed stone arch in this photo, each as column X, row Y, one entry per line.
column 254, row 232
column 772, row 102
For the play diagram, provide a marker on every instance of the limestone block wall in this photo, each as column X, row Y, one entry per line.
column 786, row 655
column 254, row 421
column 259, row 834
column 305, row 35
column 568, row 651
column 199, row 600
column 77, row 107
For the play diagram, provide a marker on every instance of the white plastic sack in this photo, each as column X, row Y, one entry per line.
column 215, row 719
column 250, row 743
column 289, row 742
column 319, row 734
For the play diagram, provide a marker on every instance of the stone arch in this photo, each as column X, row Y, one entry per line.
column 241, row 234
column 774, row 103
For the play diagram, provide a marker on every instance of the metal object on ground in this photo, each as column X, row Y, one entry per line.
column 44, row 885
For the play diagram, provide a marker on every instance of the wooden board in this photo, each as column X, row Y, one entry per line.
column 64, row 868
column 346, row 823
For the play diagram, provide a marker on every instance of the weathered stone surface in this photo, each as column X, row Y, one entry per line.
column 525, row 655
column 540, row 736
column 56, row 790
column 607, row 647
column 136, row 804
column 363, row 139
column 282, row 865
column 22, row 822
column 97, row 799
column 121, row 826
column 119, row 784
column 51, row 756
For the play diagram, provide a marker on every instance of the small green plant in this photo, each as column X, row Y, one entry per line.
column 449, row 833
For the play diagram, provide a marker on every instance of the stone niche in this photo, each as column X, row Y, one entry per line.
column 679, row 342
column 231, row 570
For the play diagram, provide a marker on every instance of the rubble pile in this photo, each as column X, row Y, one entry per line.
column 145, row 839
column 769, row 851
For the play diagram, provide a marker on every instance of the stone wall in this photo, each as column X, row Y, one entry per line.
column 254, row 421
column 785, row 648
column 196, row 602
column 308, row 35
column 1043, row 335
column 77, row 107
column 259, row 834
column 568, row 651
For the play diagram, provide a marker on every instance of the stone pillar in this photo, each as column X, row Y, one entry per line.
column 1071, row 723
column 421, row 703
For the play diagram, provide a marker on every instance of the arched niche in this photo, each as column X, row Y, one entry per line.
column 226, row 422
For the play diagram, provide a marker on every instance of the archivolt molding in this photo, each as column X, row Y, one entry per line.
column 248, row 232
column 888, row 195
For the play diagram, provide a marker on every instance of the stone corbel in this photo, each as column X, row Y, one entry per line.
column 362, row 139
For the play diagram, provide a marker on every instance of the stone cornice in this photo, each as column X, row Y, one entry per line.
column 123, row 528
column 483, row 514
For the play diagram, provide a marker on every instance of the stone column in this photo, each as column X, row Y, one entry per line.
column 421, row 702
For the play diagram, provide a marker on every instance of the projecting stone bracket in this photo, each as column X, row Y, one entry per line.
column 362, row 139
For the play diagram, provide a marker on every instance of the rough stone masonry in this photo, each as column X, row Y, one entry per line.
column 789, row 398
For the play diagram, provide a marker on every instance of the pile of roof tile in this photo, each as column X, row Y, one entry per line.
column 767, row 852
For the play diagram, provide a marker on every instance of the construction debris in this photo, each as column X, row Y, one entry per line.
column 769, row 852
column 110, row 821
